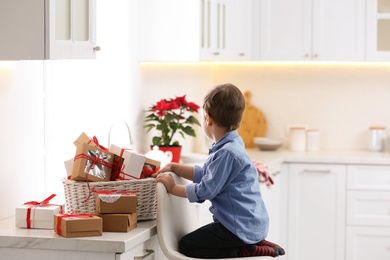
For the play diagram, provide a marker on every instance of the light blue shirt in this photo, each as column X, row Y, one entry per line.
column 230, row 181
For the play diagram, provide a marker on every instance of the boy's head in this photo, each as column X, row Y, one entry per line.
column 225, row 104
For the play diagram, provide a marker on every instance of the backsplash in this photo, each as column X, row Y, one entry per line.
column 340, row 100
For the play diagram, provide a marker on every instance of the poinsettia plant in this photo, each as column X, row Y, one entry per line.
column 169, row 117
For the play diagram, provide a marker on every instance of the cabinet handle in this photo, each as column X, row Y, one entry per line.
column 148, row 253
column 215, row 53
column 316, row 171
column 96, row 48
column 241, row 54
column 276, row 173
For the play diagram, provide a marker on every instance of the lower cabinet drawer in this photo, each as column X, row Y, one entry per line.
column 370, row 208
column 365, row 243
column 368, row 177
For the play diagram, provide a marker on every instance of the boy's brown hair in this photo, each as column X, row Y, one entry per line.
column 225, row 104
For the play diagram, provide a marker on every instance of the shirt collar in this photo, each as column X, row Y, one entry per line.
column 225, row 139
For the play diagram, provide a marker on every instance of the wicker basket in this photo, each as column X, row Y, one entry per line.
column 76, row 192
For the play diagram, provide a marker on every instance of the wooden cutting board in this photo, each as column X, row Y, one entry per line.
column 253, row 123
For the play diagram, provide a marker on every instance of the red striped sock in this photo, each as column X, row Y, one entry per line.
column 273, row 245
column 256, row 250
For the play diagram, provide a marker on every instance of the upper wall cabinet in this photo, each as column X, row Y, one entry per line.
column 192, row 30
column 378, row 30
column 319, row 30
column 47, row 29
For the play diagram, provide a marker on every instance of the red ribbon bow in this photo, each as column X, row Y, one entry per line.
column 95, row 140
column 34, row 204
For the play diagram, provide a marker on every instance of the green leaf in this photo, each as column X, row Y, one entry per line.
column 189, row 131
column 192, row 120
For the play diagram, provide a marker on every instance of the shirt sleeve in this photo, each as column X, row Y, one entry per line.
column 211, row 179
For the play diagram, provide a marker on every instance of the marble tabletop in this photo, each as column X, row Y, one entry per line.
column 115, row 242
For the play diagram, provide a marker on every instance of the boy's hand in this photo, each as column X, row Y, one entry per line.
column 166, row 168
column 167, row 180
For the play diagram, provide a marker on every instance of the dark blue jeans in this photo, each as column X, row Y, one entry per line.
column 211, row 241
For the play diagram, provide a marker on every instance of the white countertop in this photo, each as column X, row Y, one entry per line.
column 115, row 242
column 276, row 158
column 121, row 242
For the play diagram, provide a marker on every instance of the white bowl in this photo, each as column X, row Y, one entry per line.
column 267, row 144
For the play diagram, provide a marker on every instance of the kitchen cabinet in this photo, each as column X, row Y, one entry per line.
column 276, row 203
column 316, row 211
column 378, row 30
column 47, row 29
column 149, row 250
column 21, row 243
column 193, row 30
column 317, row 30
column 368, row 207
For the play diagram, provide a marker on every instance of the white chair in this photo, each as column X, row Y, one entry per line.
column 177, row 217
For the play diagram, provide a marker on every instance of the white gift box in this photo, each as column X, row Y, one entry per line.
column 39, row 216
column 133, row 161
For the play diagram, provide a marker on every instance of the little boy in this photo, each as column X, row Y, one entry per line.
column 229, row 180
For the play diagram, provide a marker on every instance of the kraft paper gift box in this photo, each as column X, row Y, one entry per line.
column 29, row 216
column 78, row 225
column 150, row 166
column 119, row 222
column 115, row 203
column 82, row 139
column 133, row 162
column 92, row 163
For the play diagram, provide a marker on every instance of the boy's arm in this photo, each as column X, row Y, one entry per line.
column 182, row 170
column 171, row 186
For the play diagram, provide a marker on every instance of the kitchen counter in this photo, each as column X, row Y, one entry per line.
column 109, row 242
column 276, row 158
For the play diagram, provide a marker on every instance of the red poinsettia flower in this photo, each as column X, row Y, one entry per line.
column 171, row 116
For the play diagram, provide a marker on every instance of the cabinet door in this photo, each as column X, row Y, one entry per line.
column 368, row 243
column 338, row 30
column 149, row 250
column 316, row 218
column 22, row 29
column 71, row 29
column 378, row 30
column 312, row 30
column 275, row 199
column 285, row 29
column 222, row 28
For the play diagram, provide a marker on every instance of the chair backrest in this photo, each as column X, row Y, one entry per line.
column 177, row 217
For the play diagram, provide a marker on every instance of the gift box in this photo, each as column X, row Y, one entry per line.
column 119, row 222
column 37, row 214
column 150, row 167
column 92, row 163
column 82, row 139
column 111, row 202
column 78, row 225
column 133, row 162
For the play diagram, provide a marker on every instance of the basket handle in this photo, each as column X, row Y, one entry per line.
column 128, row 130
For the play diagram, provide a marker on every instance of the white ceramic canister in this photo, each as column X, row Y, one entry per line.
column 297, row 139
column 377, row 138
column 312, row 140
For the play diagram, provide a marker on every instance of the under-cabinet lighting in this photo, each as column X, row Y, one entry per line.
column 6, row 65
column 268, row 63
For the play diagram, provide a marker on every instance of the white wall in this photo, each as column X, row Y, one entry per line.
column 45, row 105
column 342, row 101
column 21, row 134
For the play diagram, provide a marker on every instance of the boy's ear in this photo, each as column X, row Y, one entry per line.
column 209, row 120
